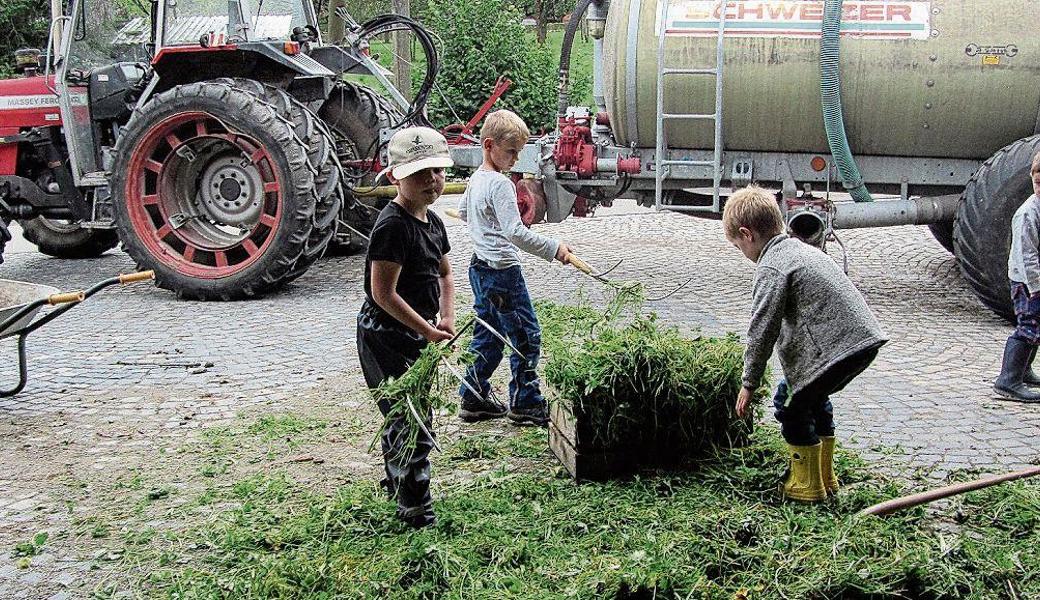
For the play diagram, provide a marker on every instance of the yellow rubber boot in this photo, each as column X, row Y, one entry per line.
column 830, row 481
column 805, row 483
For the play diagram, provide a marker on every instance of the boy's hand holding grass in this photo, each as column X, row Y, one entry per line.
column 436, row 334
column 447, row 325
column 744, row 401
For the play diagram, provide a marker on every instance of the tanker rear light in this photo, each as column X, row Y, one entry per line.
column 291, row 48
column 818, row 164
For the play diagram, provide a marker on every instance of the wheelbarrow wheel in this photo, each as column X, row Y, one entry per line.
column 67, row 239
column 218, row 191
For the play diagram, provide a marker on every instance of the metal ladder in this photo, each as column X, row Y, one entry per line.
column 663, row 163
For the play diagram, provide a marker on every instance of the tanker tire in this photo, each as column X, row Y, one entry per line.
column 982, row 233
column 70, row 240
column 285, row 156
column 356, row 114
column 943, row 233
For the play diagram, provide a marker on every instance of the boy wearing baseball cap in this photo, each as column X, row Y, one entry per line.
column 409, row 302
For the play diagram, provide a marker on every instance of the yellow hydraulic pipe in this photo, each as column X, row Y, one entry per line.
column 389, row 191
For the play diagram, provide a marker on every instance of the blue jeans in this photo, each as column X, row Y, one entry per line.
column 501, row 299
column 1027, row 314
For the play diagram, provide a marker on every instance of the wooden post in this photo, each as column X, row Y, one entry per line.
column 56, row 12
column 403, row 52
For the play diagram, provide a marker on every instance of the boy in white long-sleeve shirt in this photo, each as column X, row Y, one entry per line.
column 499, row 290
column 1016, row 371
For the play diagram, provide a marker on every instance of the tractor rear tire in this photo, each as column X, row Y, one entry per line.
column 356, row 114
column 322, row 161
column 982, row 233
column 216, row 192
column 68, row 240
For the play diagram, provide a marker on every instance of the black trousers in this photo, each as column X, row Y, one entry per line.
column 808, row 414
column 387, row 350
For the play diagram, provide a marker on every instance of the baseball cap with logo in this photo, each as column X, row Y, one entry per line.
column 416, row 148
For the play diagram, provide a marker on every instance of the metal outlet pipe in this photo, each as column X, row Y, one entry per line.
column 885, row 213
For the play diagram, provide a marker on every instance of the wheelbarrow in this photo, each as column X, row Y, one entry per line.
column 21, row 301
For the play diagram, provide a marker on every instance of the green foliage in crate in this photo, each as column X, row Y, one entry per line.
column 639, row 383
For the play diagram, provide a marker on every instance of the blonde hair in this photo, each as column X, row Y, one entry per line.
column 504, row 126
column 754, row 208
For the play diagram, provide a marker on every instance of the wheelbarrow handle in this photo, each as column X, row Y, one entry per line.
column 135, row 277
column 66, row 298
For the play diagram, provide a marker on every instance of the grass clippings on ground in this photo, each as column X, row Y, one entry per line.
column 718, row 532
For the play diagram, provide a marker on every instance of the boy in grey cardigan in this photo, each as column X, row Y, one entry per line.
column 1016, row 371
column 823, row 331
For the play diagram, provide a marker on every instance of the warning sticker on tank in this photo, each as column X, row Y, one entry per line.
column 873, row 19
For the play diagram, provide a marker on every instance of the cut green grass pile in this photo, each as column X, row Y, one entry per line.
column 633, row 383
column 643, row 385
column 719, row 532
column 520, row 528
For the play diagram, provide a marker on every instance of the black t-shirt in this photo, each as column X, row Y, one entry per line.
column 400, row 238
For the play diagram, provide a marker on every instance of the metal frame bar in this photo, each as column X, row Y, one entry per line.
column 65, row 99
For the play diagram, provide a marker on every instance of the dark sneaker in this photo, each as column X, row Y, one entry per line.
column 530, row 415
column 473, row 410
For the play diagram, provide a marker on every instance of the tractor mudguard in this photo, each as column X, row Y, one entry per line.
column 264, row 61
column 338, row 59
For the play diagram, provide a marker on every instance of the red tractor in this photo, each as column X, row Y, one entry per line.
column 217, row 139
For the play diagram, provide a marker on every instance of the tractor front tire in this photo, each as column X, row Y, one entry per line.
column 215, row 192
column 982, row 233
column 67, row 239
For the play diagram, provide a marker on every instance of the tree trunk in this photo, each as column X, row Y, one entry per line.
column 403, row 52
column 539, row 19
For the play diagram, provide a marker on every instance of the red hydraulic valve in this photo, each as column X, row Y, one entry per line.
column 576, row 152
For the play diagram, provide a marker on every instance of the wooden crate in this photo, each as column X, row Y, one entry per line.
column 572, row 444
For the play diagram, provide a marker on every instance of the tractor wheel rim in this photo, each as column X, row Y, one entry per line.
column 204, row 199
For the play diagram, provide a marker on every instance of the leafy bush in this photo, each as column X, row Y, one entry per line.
column 483, row 39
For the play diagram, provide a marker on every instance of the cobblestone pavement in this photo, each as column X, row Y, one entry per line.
column 134, row 366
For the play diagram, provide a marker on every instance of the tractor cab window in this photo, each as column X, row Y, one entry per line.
column 108, row 32
column 186, row 21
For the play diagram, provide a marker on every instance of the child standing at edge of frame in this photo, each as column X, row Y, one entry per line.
column 823, row 331
column 1016, row 369
column 500, row 292
column 408, row 281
